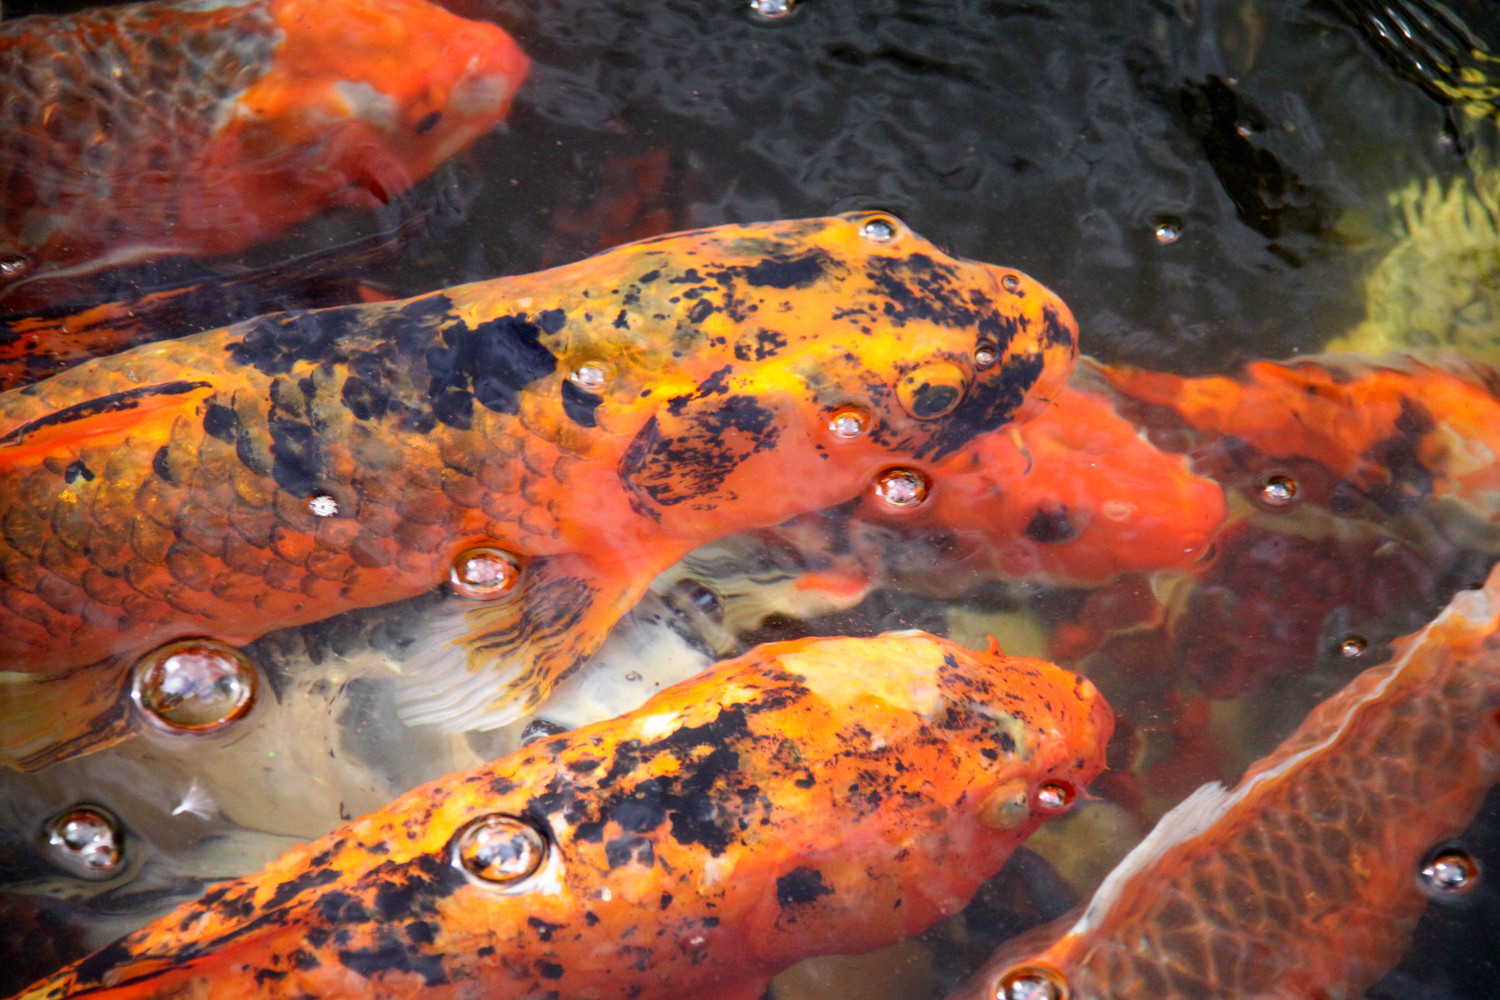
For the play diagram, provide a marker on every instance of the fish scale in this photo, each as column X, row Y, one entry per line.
column 166, row 491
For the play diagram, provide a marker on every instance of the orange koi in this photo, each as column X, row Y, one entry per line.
column 561, row 437
column 1303, row 881
column 1399, row 433
column 202, row 128
column 813, row 796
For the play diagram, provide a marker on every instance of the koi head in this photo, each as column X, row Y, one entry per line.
column 362, row 100
column 824, row 350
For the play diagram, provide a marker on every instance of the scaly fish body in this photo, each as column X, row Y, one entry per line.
column 202, row 128
column 596, row 421
column 820, row 795
column 1301, row 881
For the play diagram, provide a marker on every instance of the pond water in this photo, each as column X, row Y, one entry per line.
column 1203, row 183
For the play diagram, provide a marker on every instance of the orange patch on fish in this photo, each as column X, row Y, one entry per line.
column 814, row 796
column 145, row 129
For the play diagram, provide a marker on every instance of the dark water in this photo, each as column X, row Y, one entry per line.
column 1203, row 183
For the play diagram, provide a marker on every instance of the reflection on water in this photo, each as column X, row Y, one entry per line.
column 1205, row 185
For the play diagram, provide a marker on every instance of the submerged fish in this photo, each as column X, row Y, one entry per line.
column 822, row 795
column 1302, row 881
column 202, row 128
column 547, row 443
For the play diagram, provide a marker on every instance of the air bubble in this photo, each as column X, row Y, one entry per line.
column 590, row 376
column 1010, row 282
column 499, row 850
column 322, row 505
column 1168, row 231
column 695, row 597
column 850, row 422
column 1450, row 872
column 985, row 355
column 902, row 488
column 1354, row 646
column 13, row 266
column 1054, row 796
column 484, row 573
column 1278, row 491
column 878, row 230
column 85, row 840
column 1030, row 982
column 194, row 685
column 772, row 10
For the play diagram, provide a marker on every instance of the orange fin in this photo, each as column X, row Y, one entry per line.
column 46, row 719
column 499, row 660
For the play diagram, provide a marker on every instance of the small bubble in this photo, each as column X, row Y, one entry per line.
column 13, row 265
column 1354, row 646
column 1450, row 872
column 1030, row 982
column 695, row 597
column 772, row 10
column 850, row 422
column 1278, row 491
column 1244, row 131
column 633, row 676
column 499, row 850
column 879, row 229
column 194, row 685
column 1054, row 796
column 1445, row 140
column 985, row 355
column 483, row 573
column 902, row 488
column 590, row 376
column 323, row 505
column 540, row 729
column 85, row 840
column 1168, row 231
column 1010, row 282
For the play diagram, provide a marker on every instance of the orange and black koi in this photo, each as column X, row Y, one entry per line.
column 813, row 796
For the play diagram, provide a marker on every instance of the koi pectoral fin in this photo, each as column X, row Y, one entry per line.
column 501, row 659
column 45, row 719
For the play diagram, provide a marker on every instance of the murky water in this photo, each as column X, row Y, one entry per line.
column 1204, row 183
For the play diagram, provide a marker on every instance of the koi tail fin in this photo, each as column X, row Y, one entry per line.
column 48, row 718
column 502, row 659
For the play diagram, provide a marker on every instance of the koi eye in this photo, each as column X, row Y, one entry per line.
column 194, row 685
column 879, row 229
column 86, row 841
column 903, row 488
column 499, row 851
column 1450, row 872
column 1055, row 796
column 1031, row 982
column 483, row 573
column 932, row 390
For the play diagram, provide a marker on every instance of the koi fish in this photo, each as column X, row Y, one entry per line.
column 1303, row 880
column 812, row 796
column 1397, row 434
column 203, row 128
column 1073, row 497
column 546, row 443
